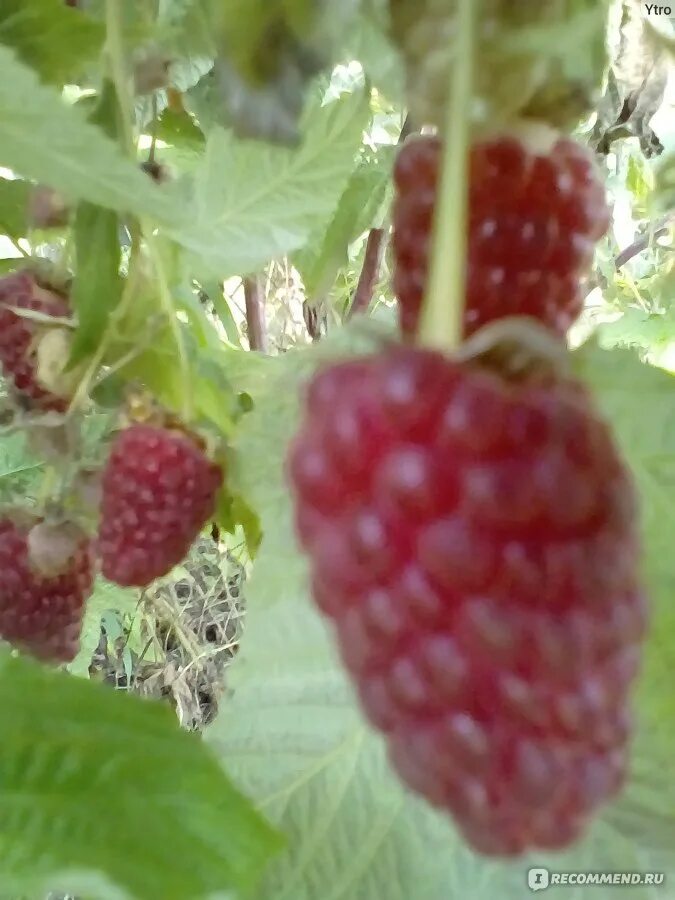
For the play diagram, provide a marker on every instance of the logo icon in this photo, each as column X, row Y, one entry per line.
column 538, row 879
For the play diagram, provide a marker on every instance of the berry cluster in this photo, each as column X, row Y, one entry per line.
column 159, row 490
column 20, row 335
column 473, row 542
column 535, row 214
column 42, row 613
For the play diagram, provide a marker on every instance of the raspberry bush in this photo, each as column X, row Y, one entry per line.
column 312, row 444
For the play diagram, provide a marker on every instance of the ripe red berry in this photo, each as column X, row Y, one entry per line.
column 473, row 542
column 159, row 490
column 534, row 218
column 19, row 337
column 42, row 613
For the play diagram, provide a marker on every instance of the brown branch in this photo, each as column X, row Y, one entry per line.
column 255, row 314
column 369, row 273
column 374, row 250
column 642, row 243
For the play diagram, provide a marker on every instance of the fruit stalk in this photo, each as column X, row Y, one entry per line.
column 442, row 314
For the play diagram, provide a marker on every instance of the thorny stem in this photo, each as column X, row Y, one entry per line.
column 256, row 325
column 363, row 294
column 443, row 311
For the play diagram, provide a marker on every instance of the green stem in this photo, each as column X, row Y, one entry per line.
column 16, row 244
column 64, row 258
column 164, row 293
column 127, row 298
column 47, row 486
column 120, row 76
column 441, row 324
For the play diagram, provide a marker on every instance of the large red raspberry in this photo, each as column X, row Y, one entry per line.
column 534, row 218
column 159, row 489
column 19, row 336
column 42, row 613
column 473, row 542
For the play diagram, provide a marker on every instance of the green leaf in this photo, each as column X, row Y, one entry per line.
column 369, row 42
column 640, row 183
column 250, row 525
column 292, row 735
column 107, row 596
column 248, row 203
column 20, row 468
column 199, row 375
column 637, row 328
column 639, row 400
column 52, row 143
column 98, row 286
column 266, row 55
column 155, row 365
column 180, row 130
column 576, row 40
column 10, row 264
column 212, row 392
column 137, row 19
column 95, row 781
column 56, row 40
column 14, row 199
column 327, row 252
column 222, row 308
column 665, row 183
column 254, row 202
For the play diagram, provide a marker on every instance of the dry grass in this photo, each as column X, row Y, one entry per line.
column 185, row 633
